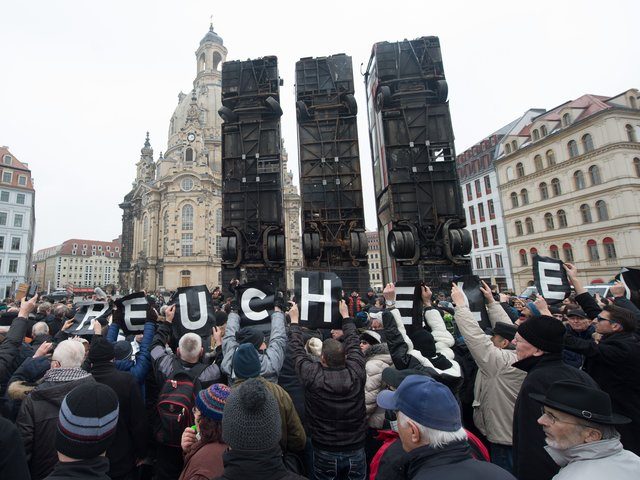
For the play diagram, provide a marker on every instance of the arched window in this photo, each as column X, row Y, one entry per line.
column 519, row 170
column 566, row 119
column 544, row 191
column 514, row 200
column 519, row 231
column 188, row 156
column 202, row 64
column 631, row 133
column 219, row 220
column 594, row 174
column 555, row 252
column 537, row 161
column 524, row 196
column 145, row 235
column 524, row 261
column 514, row 145
column 587, row 142
column 601, row 210
column 578, row 180
column 528, row 224
column 555, row 187
column 533, row 251
column 585, row 212
column 507, row 148
column 551, row 158
column 543, row 130
column 562, row 219
column 609, row 248
column 572, row 148
column 536, row 135
column 592, row 249
column 636, row 166
column 215, row 60
column 187, row 217
column 567, row 252
column 548, row 221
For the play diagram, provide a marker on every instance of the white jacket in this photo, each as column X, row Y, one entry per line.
column 605, row 459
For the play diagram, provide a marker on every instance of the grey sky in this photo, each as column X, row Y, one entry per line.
column 83, row 81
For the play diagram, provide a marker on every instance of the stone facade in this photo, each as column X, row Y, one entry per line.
column 172, row 217
column 375, row 262
column 570, row 187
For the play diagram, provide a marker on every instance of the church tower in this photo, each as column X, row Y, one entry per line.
column 146, row 168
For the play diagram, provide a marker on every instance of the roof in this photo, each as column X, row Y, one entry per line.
column 67, row 247
column 211, row 37
column 18, row 168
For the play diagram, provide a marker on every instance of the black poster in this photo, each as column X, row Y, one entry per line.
column 131, row 312
column 194, row 311
column 318, row 295
column 551, row 279
column 86, row 314
column 255, row 302
column 470, row 286
column 405, row 296
column 630, row 278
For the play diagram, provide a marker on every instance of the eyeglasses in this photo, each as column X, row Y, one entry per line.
column 553, row 419
column 600, row 318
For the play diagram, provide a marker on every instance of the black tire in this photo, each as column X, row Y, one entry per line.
column 229, row 248
column 354, row 244
column 274, row 106
column 364, row 244
column 409, row 244
column 396, row 244
column 383, row 97
column 455, row 242
column 271, row 247
column 442, row 91
column 227, row 114
column 467, row 243
column 306, row 245
column 315, row 245
column 280, row 247
column 351, row 104
column 302, row 111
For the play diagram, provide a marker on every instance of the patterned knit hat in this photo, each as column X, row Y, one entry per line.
column 211, row 401
column 87, row 421
column 251, row 418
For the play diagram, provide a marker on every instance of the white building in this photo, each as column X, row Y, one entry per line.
column 17, row 222
column 375, row 262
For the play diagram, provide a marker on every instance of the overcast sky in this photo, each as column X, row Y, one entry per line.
column 82, row 81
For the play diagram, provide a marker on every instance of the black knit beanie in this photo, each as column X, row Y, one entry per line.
column 246, row 362
column 250, row 335
column 543, row 332
column 101, row 351
column 251, row 419
column 123, row 350
column 87, row 421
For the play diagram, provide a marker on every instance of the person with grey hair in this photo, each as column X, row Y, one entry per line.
column 38, row 414
column 430, row 430
column 580, row 430
column 187, row 359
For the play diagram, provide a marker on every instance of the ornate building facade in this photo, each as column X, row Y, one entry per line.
column 172, row 217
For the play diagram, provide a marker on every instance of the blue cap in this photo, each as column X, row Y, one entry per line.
column 426, row 401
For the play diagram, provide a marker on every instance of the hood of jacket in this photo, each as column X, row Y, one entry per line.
column 252, row 464
column 585, row 451
column 19, row 390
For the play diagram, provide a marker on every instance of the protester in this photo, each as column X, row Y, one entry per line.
column 580, row 326
column 581, row 436
column 251, row 427
column 13, row 463
column 497, row 382
column 539, row 350
column 202, row 444
column 85, row 430
column 39, row 411
column 430, row 429
column 130, row 444
column 334, row 400
column 377, row 358
column 11, row 345
column 271, row 356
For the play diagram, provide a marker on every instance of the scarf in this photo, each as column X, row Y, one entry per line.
column 64, row 374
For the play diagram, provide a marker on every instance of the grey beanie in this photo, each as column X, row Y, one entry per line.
column 251, row 419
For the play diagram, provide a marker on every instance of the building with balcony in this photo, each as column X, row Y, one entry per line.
column 483, row 207
column 17, row 222
column 570, row 187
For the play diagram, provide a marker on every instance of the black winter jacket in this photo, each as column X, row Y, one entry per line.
column 452, row 462
column 255, row 465
column 334, row 397
column 13, row 463
column 9, row 349
column 615, row 364
column 37, row 423
column 530, row 460
column 130, row 442
column 92, row 469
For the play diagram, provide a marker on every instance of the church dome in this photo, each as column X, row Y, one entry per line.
column 211, row 37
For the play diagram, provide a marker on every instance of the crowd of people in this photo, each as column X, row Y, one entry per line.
column 547, row 391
